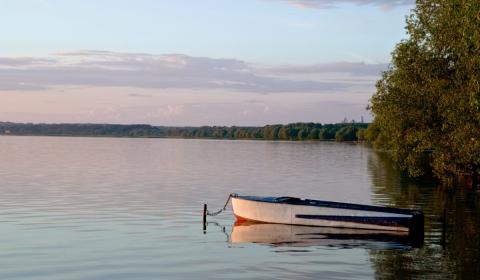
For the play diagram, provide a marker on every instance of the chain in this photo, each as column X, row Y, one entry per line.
column 224, row 207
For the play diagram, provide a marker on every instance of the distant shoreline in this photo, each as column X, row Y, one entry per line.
column 181, row 138
column 341, row 132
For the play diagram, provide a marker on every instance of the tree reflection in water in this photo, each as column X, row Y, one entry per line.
column 455, row 255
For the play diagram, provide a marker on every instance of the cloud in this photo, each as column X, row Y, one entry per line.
column 352, row 68
column 177, row 71
column 325, row 4
column 23, row 61
column 140, row 95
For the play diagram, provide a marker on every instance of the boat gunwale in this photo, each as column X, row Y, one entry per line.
column 329, row 204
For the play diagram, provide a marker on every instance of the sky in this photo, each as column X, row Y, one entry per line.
column 196, row 62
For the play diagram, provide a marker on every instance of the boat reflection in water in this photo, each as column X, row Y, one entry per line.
column 292, row 235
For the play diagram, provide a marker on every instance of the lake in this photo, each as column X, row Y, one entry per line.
column 120, row 208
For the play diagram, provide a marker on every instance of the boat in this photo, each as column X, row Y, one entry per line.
column 306, row 236
column 308, row 212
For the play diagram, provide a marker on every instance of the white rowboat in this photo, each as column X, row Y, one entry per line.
column 306, row 212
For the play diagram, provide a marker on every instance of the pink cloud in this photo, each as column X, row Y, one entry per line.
column 112, row 69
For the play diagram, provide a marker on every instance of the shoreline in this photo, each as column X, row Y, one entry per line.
column 181, row 138
column 339, row 132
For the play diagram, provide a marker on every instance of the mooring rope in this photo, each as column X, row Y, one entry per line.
column 224, row 207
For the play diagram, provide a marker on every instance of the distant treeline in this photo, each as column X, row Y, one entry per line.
column 294, row 131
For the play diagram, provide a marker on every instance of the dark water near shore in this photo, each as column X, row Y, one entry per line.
column 110, row 208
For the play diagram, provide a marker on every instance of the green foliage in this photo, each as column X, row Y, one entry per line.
column 294, row 131
column 428, row 101
column 346, row 133
column 362, row 134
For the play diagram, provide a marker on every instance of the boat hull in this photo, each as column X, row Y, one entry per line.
column 294, row 211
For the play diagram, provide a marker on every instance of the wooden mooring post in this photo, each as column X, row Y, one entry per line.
column 204, row 218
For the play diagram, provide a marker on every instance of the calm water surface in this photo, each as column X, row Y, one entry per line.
column 110, row 208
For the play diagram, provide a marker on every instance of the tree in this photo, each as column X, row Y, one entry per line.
column 346, row 133
column 302, row 134
column 428, row 101
column 313, row 134
column 361, row 134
